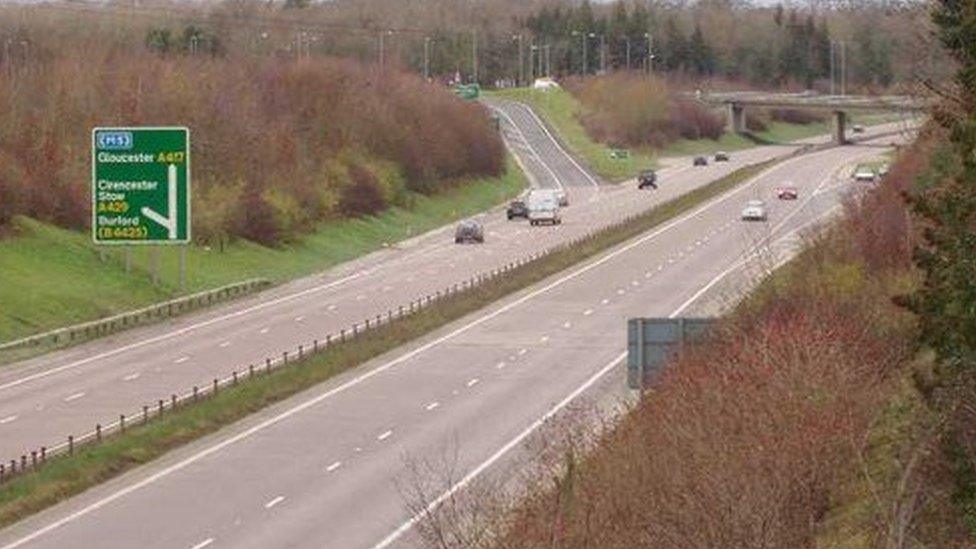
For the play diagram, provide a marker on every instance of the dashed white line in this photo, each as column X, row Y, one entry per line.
column 647, row 274
column 604, row 301
column 472, row 382
column 432, row 406
column 75, row 396
column 264, row 330
column 225, row 344
column 131, row 377
column 621, row 291
column 634, row 283
column 543, row 339
column 7, row 419
column 204, row 543
column 181, row 360
column 274, row 502
column 522, row 351
column 334, row 466
column 567, row 324
column 500, row 365
column 660, row 267
column 588, row 312
column 299, row 318
column 384, row 435
column 331, row 307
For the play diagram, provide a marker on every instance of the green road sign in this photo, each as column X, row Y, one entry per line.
column 467, row 91
column 141, row 185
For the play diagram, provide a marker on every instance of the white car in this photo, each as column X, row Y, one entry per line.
column 864, row 174
column 755, row 210
column 559, row 195
column 544, row 211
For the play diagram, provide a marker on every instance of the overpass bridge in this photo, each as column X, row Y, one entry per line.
column 840, row 105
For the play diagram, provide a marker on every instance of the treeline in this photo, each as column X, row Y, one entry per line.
column 278, row 144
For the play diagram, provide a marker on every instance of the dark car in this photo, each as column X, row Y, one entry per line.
column 721, row 156
column 517, row 208
column 699, row 161
column 647, row 178
column 469, row 230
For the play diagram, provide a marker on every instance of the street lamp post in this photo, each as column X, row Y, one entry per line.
column 582, row 35
column 426, row 58
column 548, row 65
column 603, row 54
column 650, row 52
column 383, row 34
column 521, row 61
column 628, row 53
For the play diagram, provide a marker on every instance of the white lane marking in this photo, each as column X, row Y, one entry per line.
column 500, row 365
column 179, row 332
column 543, row 339
column 131, row 377
column 634, row 283
column 8, row 419
column 567, row 324
column 472, row 382
column 621, row 291
column 334, row 466
column 432, row 406
column 204, row 543
column 522, row 351
column 558, row 145
column 670, row 260
column 660, row 267
column 588, row 312
column 647, row 274
column 75, row 396
column 299, row 318
column 538, row 158
column 384, row 435
column 403, row 528
column 264, row 330
column 274, row 502
column 182, row 464
column 181, row 360
column 225, row 344
column 331, row 307
column 604, row 301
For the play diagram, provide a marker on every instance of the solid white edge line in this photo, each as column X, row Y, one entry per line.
column 204, row 543
column 556, row 142
column 181, row 331
column 531, row 148
column 247, row 433
column 274, row 502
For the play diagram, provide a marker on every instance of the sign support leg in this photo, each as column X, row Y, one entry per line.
column 182, row 268
column 154, row 265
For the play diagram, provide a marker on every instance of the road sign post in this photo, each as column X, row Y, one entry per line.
column 141, row 186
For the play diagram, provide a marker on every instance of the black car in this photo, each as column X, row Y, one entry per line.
column 469, row 230
column 517, row 208
column 647, row 178
column 699, row 161
column 721, row 156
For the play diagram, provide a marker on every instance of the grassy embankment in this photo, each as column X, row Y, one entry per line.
column 53, row 277
column 561, row 110
column 64, row 476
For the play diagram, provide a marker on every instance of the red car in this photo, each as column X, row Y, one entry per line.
column 786, row 193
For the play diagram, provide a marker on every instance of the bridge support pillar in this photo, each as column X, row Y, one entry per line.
column 737, row 118
column 840, row 127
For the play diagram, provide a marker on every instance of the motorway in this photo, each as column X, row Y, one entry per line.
column 44, row 400
column 326, row 468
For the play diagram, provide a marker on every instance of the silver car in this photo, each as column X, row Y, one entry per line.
column 544, row 211
column 469, row 230
column 755, row 210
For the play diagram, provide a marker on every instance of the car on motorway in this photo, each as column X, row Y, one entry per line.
column 647, row 178
column 721, row 156
column 559, row 195
column 699, row 161
column 517, row 209
column 787, row 192
column 755, row 210
column 864, row 174
column 857, row 128
column 469, row 230
column 544, row 210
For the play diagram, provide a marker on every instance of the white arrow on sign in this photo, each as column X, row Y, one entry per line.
column 170, row 220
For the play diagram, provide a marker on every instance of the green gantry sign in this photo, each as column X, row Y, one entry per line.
column 141, row 185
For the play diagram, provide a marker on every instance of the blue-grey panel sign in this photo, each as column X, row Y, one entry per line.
column 651, row 342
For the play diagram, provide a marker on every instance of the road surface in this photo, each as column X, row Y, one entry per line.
column 326, row 468
column 44, row 400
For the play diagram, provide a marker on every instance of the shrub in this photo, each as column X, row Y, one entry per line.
column 362, row 196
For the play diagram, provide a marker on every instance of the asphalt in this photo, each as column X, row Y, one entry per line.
column 329, row 467
column 44, row 400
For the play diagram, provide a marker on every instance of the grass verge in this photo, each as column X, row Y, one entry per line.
column 54, row 277
column 64, row 476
